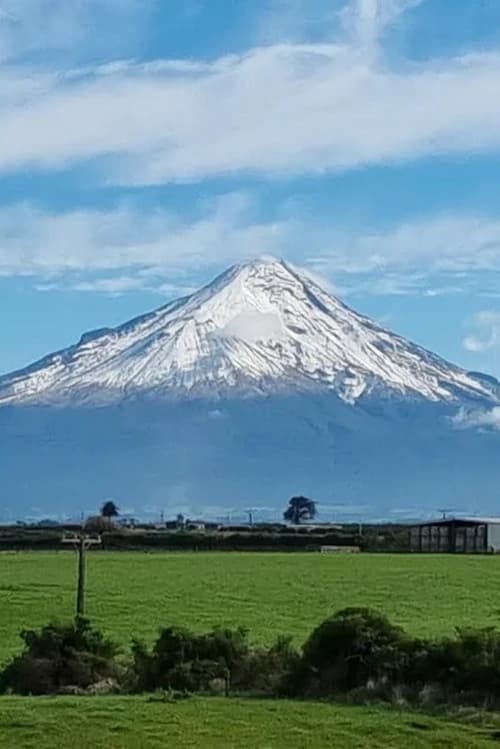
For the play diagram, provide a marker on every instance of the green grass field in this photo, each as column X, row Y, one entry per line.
column 134, row 593
column 136, row 723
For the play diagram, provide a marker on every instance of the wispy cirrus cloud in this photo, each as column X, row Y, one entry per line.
column 113, row 286
column 107, row 246
column 451, row 244
column 127, row 248
column 279, row 110
column 366, row 20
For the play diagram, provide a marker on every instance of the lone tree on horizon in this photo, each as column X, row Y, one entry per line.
column 299, row 510
column 109, row 510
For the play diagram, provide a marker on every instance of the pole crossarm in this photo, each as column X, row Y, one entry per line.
column 77, row 539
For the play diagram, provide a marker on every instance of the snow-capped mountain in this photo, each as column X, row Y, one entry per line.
column 261, row 327
column 259, row 386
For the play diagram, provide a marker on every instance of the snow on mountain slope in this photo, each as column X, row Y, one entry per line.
column 260, row 327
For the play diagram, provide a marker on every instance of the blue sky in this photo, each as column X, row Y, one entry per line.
column 145, row 145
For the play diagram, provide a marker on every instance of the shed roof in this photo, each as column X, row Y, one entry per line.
column 462, row 521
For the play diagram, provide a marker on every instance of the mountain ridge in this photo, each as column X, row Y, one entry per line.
column 260, row 327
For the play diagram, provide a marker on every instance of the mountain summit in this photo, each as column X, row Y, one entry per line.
column 260, row 327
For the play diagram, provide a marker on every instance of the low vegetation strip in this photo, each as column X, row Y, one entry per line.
column 145, row 723
column 228, row 538
column 356, row 655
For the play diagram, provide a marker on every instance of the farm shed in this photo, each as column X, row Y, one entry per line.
column 457, row 536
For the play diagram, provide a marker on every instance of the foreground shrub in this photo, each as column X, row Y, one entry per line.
column 212, row 662
column 467, row 664
column 267, row 671
column 357, row 655
column 182, row 660
column 350, row 649
column 59, row 656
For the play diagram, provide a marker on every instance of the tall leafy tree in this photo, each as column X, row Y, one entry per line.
column 109, row 510
column 299, row 510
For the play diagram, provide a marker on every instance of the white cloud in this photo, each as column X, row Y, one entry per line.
column 116, row 285
column 475, row 419
column 454, row 245
column 276, row 110
column 113, row 286
column 113, row 244
column 484, row 333
column 128, row 248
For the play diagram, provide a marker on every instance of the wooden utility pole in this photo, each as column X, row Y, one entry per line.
column 80, row 586
column 81, row 543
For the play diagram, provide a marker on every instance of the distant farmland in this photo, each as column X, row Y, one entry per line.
column 133, row 594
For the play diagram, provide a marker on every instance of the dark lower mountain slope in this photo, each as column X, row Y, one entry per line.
column 211, row 456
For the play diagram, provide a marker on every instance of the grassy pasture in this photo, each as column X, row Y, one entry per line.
column 135, row 593
column 136, row 723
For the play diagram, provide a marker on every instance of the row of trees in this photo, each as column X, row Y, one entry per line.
column 357, row 654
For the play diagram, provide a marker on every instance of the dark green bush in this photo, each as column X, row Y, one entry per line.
column 468, row 663
column 182, row 660
column 266, row 671
column 357, row 654
column 59, row 656
column 360, row 651
column 348, row 650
